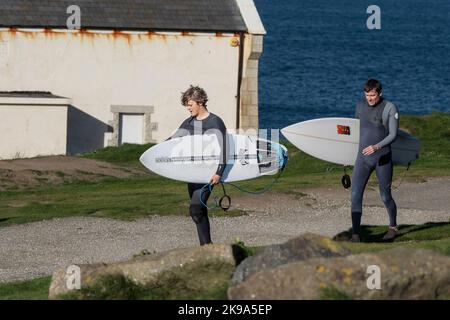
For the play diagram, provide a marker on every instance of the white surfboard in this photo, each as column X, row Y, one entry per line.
column 195, row 158
column 336, row 140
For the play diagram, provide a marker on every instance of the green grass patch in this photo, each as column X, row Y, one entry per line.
column 441, row 246
column 108, row 287
column 433, row 235
column 433, row 132
column 114, row 198
column 126, row 155
column 331, row 293
column 426, row 231
column 125, row 199
column 248, row 250
column 36, row 289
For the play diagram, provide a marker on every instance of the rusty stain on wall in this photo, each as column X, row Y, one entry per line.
column 132, row 39
column 122, row 36
column 115, row 35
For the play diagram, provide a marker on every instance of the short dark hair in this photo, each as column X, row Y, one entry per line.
column 196, row 94
column 373, row 84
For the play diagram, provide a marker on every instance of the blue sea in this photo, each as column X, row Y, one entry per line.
column 318, row 54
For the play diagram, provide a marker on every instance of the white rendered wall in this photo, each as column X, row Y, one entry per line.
column 97, row 70
column 29, row 131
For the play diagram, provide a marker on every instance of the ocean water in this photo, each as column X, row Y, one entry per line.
column 318, row 54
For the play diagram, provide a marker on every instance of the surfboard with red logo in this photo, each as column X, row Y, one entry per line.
column 336, row 140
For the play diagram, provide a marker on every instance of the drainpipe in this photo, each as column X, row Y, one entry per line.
column 239, row 82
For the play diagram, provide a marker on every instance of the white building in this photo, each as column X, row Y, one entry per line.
column 119, row 77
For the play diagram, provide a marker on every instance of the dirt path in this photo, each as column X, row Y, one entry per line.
column 37, row 249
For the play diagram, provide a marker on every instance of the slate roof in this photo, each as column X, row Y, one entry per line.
column 27, row 94
column 150, row 15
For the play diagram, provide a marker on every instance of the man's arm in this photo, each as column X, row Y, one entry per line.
column 222, row 138
column 181, row 131
column 357, row 111
column 217, row 127
column 391, row 117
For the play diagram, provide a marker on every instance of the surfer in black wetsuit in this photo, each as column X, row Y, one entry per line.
column 200, row 122
column 378, row 129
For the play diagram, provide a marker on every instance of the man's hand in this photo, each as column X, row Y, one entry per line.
column 215, row 179
column 370, row 149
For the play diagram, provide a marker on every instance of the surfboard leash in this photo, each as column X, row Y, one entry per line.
column 265, row 189
column 224, row 202
column 401, row 177
column 220, row 202
column 268, row 187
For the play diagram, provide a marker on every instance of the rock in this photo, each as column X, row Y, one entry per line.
column 405, row 274
column 301, row 248
column 146, row 269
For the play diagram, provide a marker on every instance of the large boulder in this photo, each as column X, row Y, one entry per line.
column 404, row 274
column 145, row 269
column 304, row 247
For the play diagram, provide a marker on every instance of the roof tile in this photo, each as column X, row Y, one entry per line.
column 168, row 15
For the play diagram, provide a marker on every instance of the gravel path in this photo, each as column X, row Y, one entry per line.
column 37, row 249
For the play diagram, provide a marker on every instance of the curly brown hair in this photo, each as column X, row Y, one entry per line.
column 196, row 94
column 373, row 84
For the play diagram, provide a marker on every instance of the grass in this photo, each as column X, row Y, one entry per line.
column 331, row 293
column 426, row 231
column 36, row 289
column 248, row 250
column 432, row 235
column 433, row 130
column 125, row 199
column 126, row 155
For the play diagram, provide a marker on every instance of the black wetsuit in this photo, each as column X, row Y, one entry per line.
column 378, row 126
column 199, row 213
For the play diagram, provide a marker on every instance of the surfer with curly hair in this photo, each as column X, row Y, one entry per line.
column 378, row 129
column 202, row 121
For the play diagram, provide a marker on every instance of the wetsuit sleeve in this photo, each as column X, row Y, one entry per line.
column 390, row 119
column 216, row 126
column 222, row 138
column 181, row 131
column 357, row 111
